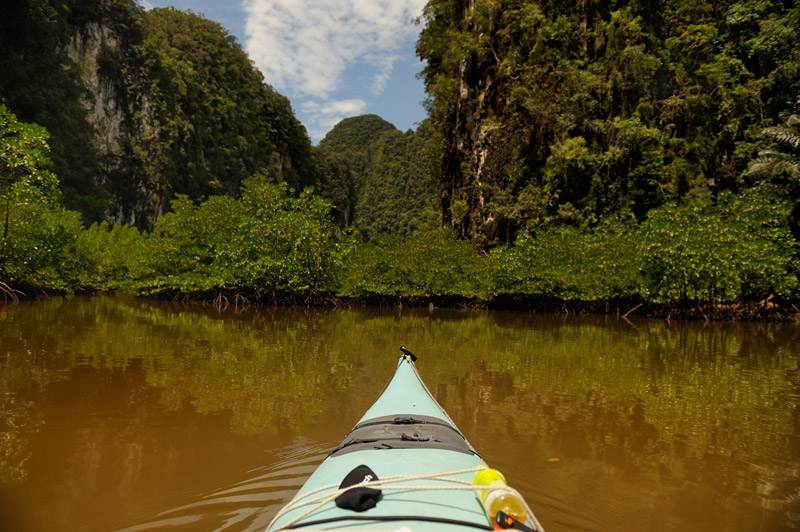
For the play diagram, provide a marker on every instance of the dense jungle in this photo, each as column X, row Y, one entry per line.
column 591, row 155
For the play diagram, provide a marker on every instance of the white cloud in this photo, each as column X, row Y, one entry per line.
column 305, row 47
column 382, row 75
column 335, row 107
column 329, row 113
column 147, row 5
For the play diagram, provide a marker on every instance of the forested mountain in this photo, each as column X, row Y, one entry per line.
column 577, row 112
column 391, row 193
column 352, row 138
column 217, row 121
column 397, row 197
column 144, row 105
column 349, row 143
column 608, row 153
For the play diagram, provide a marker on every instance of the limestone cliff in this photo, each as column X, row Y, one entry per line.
column 135, row 187
column 142, row 105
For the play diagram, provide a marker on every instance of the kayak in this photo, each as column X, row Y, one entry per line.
column 405, row 467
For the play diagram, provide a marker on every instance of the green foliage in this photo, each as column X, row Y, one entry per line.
column 336, row 182
column 600, row 151
column 569, row 263
column 387, row 191
column 218, row 121
column 543, row 112
column 738, row 249
column 40, row 243
column 34, row 229
column 267, row 240
column 163, row 102
column 352, row 137
column 41, row 84
column 184, row 248
column 783, row 161
column 40, row 249
column 426, row 265
column 396, row 197
column 114, row 256
column 24, row 162
column 286, row 243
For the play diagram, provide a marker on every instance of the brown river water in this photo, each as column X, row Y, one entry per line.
column 131, row 415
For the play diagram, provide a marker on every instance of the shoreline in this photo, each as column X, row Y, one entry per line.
column 768, row 310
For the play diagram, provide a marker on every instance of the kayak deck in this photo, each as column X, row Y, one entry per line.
column 423, row 464
column 421, row 509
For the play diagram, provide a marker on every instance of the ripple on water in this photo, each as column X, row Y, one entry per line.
column 250, row 503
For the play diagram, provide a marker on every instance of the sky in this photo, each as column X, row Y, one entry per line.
column 333, row 59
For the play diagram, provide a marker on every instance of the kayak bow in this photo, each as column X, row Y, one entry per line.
column 404, row 466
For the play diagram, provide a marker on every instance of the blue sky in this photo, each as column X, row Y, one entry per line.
column 332, row 58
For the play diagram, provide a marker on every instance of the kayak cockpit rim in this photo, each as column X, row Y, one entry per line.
column 404, row 432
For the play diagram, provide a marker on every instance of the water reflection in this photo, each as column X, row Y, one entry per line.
column 248, row 504
column 135, row 415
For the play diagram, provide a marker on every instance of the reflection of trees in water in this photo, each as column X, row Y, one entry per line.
column 689, row 407
column 727, row 438
column 19, row 419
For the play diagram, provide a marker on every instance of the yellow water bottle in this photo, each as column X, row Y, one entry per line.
column 499, row 499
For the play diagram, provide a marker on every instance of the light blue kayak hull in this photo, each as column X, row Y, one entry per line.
column 407, row 506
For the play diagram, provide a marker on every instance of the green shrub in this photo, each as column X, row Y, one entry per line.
column 114, row 257
column 267, row 240
column 569, row 263
column 740, row 248
column 286, row 243
column 435, row 264
column 40, row 248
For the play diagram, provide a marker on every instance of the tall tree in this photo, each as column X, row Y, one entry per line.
column 25, row 183
column 24, row 166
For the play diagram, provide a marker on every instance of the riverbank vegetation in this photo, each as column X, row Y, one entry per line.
column 575, row 158
column 271, row 242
